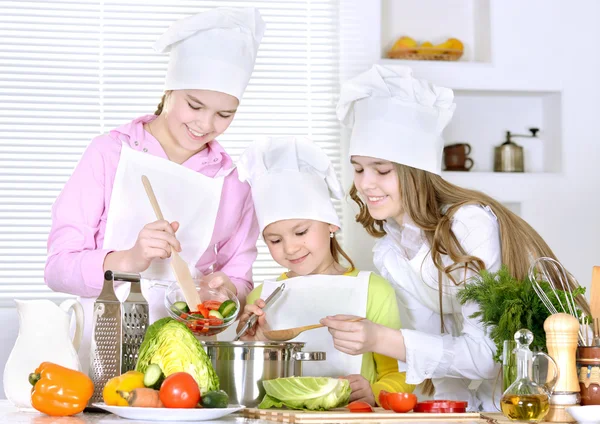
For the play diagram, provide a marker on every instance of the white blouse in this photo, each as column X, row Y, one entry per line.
column 459, row 361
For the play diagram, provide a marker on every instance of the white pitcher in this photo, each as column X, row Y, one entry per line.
column 44, row 336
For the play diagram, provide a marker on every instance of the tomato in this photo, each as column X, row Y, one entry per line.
column 383, row 399
column 212, row 305
column 401, row 402
column 179, row 390
column 359, row 406
column 441, row 406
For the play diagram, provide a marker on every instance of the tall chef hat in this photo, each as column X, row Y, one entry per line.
column 396, row 117
column 291, row 178
column 213, row 50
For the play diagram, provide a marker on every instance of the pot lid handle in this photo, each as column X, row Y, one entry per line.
column 310, row 356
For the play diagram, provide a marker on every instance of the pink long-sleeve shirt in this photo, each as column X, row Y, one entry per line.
column 75, row 256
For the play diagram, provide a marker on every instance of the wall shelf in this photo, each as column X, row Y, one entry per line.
column 435, row 21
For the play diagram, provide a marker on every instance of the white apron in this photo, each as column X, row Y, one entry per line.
column 305, row 301
column 184, row 195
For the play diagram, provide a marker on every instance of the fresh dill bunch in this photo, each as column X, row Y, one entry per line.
column 507, row 305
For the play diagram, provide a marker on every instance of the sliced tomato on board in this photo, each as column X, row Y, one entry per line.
column 442, row 406
column 359, row 406
column 383, row 399
column 401, row 402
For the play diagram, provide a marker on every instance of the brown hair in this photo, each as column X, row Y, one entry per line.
column 338, row 253
column 161, row 105
column 425, row 197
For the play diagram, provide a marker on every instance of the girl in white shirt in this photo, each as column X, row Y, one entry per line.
column 433, row 237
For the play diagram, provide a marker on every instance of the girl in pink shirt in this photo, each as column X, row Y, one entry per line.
column 204, row 85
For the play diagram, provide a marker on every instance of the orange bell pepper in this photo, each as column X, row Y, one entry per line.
column 59, row 391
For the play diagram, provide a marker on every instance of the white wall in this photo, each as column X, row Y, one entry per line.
column 533, row 45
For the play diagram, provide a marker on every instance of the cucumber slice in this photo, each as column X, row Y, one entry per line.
column 153, row 377
column 180, row 307
column 215, row 314
column 217, row 399
column 227, row 308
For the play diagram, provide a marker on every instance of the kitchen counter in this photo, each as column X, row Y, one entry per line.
column 10, row 414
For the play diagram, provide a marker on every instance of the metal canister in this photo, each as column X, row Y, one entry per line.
column 243, row 366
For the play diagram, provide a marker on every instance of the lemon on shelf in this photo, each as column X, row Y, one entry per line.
column 408, row 48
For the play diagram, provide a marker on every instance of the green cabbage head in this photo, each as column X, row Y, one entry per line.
column 173, row 347
column 312, row 393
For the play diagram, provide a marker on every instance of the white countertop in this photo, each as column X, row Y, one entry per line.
column 10, row 414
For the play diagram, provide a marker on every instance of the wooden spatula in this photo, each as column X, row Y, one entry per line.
column 595, row 292
column 180, row 268
column 292, row 333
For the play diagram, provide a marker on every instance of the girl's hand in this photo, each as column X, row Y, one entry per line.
column 361, row 389
column 255, row 333
column 155, row 241
column 219, row 279
column 353, row 338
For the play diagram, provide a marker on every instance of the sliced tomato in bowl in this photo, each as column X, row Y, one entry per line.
column 359, row 406
column 401, row 402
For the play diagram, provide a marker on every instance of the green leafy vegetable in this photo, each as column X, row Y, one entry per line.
column 507, row 305
column 312, row 393
column 172, row 346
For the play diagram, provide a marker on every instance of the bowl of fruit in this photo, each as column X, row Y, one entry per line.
column 218, row 309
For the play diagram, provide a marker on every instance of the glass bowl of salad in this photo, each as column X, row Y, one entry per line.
column 218, row 310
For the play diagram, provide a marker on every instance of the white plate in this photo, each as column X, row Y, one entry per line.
column 169, row 414
column 588, row 414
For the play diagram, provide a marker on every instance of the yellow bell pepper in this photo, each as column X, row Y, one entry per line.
column 59, row 391
column 124, row 383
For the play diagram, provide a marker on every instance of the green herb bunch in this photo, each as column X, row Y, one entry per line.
column 507, row 305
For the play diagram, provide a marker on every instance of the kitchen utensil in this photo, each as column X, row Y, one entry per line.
column 588, row 371
column 44, row 335
column 596, row 326
column 508, row 157
column 343, row 415
column 117, row 331
column 179, row 266
column 243, row 366
column 527, row 398
column 292, row 333
column 200, row 327
column 252, row 320
column 551, row 271
column 562, row 333
column 595, row 293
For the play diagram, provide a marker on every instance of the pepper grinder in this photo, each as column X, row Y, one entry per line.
column 561, row 340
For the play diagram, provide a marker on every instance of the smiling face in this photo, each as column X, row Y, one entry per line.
column 376, row 181
column 300, row 245
column 192, row 118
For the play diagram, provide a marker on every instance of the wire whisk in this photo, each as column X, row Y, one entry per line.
column 551, row 271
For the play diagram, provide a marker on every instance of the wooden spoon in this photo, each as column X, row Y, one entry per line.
column 179, row 266
column 292, row 333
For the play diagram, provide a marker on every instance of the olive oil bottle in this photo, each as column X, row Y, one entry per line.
column 527, row 400
column 530, row 408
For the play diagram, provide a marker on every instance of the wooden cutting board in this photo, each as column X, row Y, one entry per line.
column 340, row 415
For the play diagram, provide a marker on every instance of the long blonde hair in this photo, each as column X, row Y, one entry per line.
column 425, row 197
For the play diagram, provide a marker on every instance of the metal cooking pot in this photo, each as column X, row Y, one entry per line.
column 242, row 366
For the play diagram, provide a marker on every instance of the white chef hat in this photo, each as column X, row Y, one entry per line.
column 291, row 178
column 396, row 117
column 213, row 50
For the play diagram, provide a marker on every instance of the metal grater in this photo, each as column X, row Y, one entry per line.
column 117, row 332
